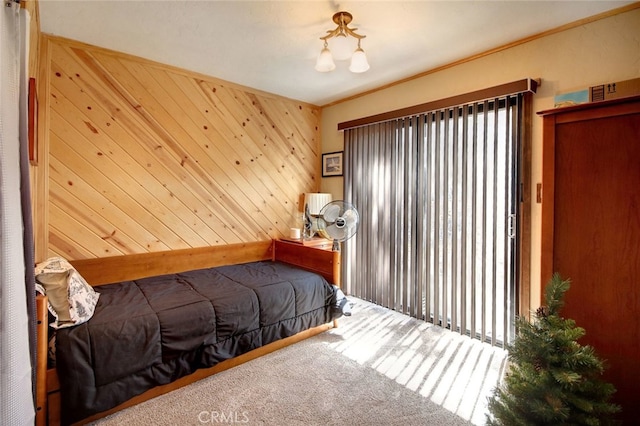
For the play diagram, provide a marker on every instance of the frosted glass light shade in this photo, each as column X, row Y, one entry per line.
column 359, row 62
column 342, row 47
column 325, row 61
column 316, row 201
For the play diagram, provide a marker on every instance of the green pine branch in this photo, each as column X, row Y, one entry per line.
column 552, row 379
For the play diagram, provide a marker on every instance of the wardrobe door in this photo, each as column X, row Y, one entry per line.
column 595, row 232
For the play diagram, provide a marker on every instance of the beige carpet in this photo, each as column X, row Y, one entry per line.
column 378, row 367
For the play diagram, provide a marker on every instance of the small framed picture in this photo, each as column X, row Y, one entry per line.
column 332, row 164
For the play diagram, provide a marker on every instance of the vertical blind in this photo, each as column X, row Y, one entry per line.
column 438, row 197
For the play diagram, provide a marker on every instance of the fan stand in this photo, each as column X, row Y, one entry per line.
column 336, row 245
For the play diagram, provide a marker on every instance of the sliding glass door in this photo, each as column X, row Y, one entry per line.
column 438, row 195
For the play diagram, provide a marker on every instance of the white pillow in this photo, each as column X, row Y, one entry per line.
column 72, row 300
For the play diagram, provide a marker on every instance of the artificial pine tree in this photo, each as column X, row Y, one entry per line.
column 552, row 379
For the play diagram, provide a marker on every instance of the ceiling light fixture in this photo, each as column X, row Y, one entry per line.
column 359, row 61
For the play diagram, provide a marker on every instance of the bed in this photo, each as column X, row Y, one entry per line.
column 164, row 320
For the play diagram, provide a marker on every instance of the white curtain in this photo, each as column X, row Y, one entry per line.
column 16, row 397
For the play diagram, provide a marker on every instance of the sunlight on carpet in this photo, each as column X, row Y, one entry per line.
column 453, row 371
column 378, row 368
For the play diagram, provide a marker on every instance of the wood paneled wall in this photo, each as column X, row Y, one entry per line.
column 145, row 157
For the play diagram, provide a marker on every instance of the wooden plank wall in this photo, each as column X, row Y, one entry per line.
column 144, row 157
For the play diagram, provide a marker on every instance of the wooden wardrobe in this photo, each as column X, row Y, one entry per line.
column 591, row 231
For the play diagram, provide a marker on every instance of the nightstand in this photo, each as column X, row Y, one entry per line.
column 316, row 242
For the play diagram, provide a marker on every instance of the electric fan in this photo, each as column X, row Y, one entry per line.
column 338, row 221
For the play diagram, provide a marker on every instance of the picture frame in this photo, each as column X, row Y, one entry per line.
column 33, row 122
column 332, row 164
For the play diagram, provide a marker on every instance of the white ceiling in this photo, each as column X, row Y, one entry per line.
column 272, row 45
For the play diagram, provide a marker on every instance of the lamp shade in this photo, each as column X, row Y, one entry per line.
column 359, row 61
column 342, row 47
column 325, row 61
column 316, row 201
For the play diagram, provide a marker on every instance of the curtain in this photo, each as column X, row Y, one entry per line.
column 438, row 199
column 16, row 383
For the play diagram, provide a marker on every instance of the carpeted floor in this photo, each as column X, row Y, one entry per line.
column 378, row 367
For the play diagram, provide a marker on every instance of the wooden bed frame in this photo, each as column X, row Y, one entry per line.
column 128, row 267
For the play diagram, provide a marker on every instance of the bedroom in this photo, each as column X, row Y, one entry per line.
column 597, row 61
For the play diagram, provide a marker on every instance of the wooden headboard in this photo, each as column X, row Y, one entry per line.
column 320, row 261
column 113, row 269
